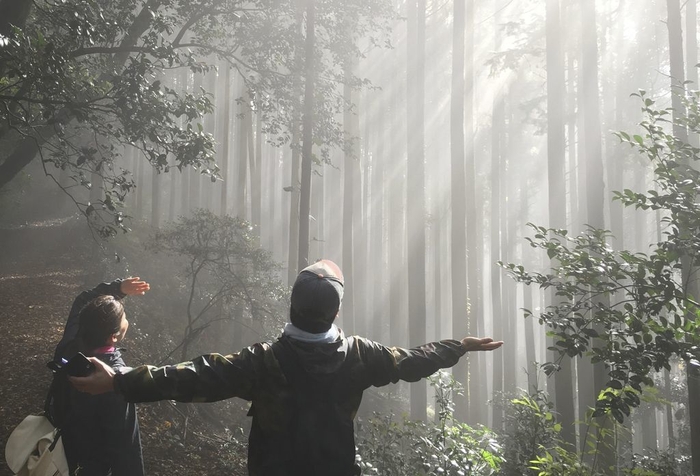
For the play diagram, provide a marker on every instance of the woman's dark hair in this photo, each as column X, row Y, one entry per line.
column 99, row 319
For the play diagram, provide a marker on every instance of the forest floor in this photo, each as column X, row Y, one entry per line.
column 39, row 276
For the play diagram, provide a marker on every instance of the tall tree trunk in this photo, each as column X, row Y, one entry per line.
column 156, row 198
column 458, row 191
column 241, row 208
column 349, row 186
column 476, row 390
column 377, row 251
column 415, row 198
column 495, row 252
column 556, row 181
column 140, row 185
column 256, row 176
column 195, row 175
column 497, row 155
column 397, row 217
column 225, row 155
column 689, row 270
column 295, row 173
column 691, row 54
column 595, row 192
column 307, row 138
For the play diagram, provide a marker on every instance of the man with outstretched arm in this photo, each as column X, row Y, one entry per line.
column 305, row 388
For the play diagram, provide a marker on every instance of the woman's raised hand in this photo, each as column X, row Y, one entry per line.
column 134, row 286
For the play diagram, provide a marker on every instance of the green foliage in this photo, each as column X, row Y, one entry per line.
column 659, row 463
column 531, row 429
column 229, row 277
column 653, row 316
column 446, row 447
column 560, row 462
column 83, row 81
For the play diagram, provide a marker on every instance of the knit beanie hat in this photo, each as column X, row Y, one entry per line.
column 316, row 296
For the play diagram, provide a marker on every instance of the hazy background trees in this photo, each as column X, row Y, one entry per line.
column 411, row 142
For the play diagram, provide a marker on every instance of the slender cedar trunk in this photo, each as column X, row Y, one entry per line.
column 509, row 223
column 295, row 189
column 691, row 53
column 273, row 220
column 497, row 142
column 689, row 270
column 184, row 193
column 613, row 114
column 529, row 324
column 295, row 172
column 595, row 189
column 397, row 217
column 675, row 45
column 140, row 184
column 320, row 213
column 641, row 241
column 349, row 186
column 359, row 218
column 458, row 191
column 307, row 138
column 365, row 274
column 210, row 125
column 495, row 252
column 225, row 155
column 195, row 175
column 556, row 181
column 415, row 198
column 172, row 198
column 240, row 207
column 377, row 250
column 256, row 177
column 253, row 198
column 476, row 390
column 156, row 198
column 185, row 174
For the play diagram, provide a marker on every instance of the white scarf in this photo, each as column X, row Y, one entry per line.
column 331, row 335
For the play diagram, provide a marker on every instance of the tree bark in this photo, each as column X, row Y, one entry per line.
column 415, row 198
column 458, row 192
column 307, row 144
column 349, row 186
column 556, row 181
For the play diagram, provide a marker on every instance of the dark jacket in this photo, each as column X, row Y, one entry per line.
column 305, row 396
column 100, row 432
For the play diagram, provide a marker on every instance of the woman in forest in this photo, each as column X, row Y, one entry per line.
column 100, row 433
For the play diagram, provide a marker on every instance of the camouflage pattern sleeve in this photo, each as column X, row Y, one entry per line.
column 207, row 378
column 390, row 364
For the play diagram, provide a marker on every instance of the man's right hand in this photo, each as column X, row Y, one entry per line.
column 471, row 344
column 101, row 380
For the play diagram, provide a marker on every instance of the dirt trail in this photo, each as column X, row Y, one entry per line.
column 38, row 274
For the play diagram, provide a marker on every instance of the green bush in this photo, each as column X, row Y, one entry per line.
column 397, row 448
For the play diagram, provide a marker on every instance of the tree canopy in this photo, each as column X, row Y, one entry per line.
column 82, row 80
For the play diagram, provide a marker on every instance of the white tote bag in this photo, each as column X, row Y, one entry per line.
column 34, row 450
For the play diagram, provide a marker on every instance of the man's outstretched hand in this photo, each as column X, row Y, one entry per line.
column 471, row 344
column 101, row 380
column 134, row 286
